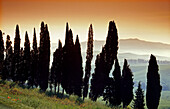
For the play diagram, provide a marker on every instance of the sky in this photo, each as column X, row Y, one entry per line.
column 143, row 19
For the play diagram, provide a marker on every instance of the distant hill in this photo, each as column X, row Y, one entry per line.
column 129, row 49
column 135, row 46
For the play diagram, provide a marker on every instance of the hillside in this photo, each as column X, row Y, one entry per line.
column 22, row 98
column 14, row 97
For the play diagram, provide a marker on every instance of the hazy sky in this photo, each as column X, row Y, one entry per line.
column 147, row 20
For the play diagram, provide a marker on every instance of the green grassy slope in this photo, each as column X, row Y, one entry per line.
column 17, row 98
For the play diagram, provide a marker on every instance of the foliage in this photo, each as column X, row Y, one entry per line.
column 104, row 63
column 89, row 57
column 57, row 67
column 1, row 52
column 44, row 57
column 127, row 84
column 154, row 88
column 117, row 84
column 16, row 58
column 139, row 98
column 34, row 75
column 72, row 65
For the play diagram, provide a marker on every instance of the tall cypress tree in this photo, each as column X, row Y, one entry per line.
column 107, row 57
column 9, row 55
column 97, row 81
column 21, row 72
column 6, row 73
column 139, row 98
column 117, row 84
column 89, row 57
column 57, row 67
column 1, row 51
column 27, row 58
column 112, row 91
column 34, row 62
column 127, row 84
column 154, row 88
column 44, row 57
column 111, row 47
column 68, row 62
column 78, row 69
column 16, row 58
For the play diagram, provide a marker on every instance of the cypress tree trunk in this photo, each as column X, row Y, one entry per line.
column 58, row 88
column 55, row 88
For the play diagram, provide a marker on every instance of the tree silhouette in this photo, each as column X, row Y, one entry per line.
column 1, row 53
column 111, row 47
column 107, row 57
column 8, row 46
column 44, row 57
column 34, row 62
column 68, row 60
column 16, row 58
column 57, row 67
column 154, row 88
column 117, row 84
column 109, row 93
column 139, row 98
column 27, row 58
column 21, row 71
column 88, row 61
column 97, row 81
column 8, row 60
column 112, row 91
column 127, row 84
column 78, row 69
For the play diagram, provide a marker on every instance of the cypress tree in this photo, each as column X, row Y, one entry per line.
column 109, row 93
column 153, row 92
column 117, row 84
column 88, row 61
column 111, row 47
column 127, row 84
column 68, row 62
column 107, row 57
column 59, row 73
column 97, row 81
column 112, row 91
column 8, row 46
column 21, row 71
column 34, row 62
column 16, row 58
column 57, row 67
column 139, row 98
column 1, row 53
column 8, row 60
column 27, row 58
column 44, row 57
column 78, row 69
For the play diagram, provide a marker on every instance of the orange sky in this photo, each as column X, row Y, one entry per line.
column 147, row 20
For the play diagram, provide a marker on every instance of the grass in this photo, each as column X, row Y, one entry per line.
column 19, row 98
column 14, row 97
